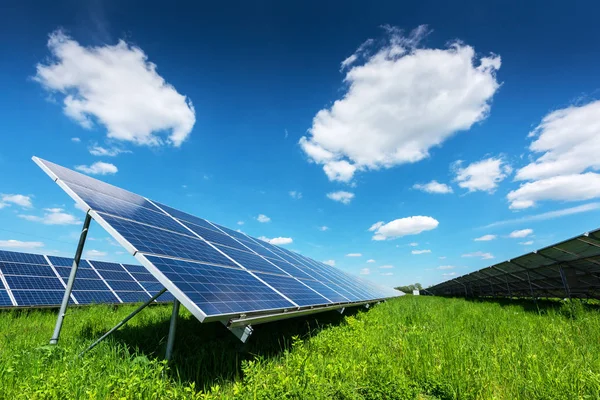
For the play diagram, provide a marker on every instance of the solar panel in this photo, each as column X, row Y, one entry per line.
column 213, row 271
column 567, row 269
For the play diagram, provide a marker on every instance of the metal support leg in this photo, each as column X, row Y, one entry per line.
column 123, row 322
column 563, row 277
column 71, row 281
column 172, row 329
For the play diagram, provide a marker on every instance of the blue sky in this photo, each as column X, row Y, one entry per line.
column 407, row 130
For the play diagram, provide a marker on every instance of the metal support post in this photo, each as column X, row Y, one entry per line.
column 123, row 322
column 172, row 329
column 71, row 281
column 508, row 287
column 563, row 277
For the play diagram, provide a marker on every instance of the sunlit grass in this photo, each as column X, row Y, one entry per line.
column 411, row 347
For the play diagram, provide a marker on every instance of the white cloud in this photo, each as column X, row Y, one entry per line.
column 98, row 168
column 329, row 262
column 401, row 100
column 521, row 233
column 449, row 274
column 17, row 199
column 482, row 255
column 482, row 175
column 263, row 218
column 295, row 194
column 341, row 196
column 548, row 215
column 354, row 255
column 446, row 267
column 527, row 243
column 323, row 228
column 386, row 266
column 566, row 144
column 95, row 254
column 563, row 188
column 104, row 152
column 365, row 271
column 387, row 273
column 240, row 222
column 485, row 238
column 75, row 139
column 53, row 216
column 402, row 227
column 413, row 244
column 442, row 257
column 80, row 207
column 17, row 244
column 116, row 86
column 420, row 251
column 370, row 260
column 433, row 187
column 277, row 240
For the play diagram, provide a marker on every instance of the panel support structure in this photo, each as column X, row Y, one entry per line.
column 71, row 282
column 172, row 329
column 123, row 322
column 563, row 277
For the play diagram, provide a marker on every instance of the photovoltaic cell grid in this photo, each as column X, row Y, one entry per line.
column 567, row 269
column 32, row 281
column 192, row 255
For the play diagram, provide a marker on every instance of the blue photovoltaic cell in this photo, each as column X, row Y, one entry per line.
column 4, row 298
column 186, row 217
column 326, row 291
column 94, row 296
column 218, row 290
column 24, row 258
column 26, row 269
column 290, row 269
column 133, row 297
column 38, row 297
column 135, row 268
column 231, row 232
column 215, row 237
column 82, row 273
column 33, row 283
column 63, row 261
column 106, row 266
column 259, row 249
column 293, row 289
column 251, row 261
column 156, row 241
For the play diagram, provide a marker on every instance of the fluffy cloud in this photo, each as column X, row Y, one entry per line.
column 421, row 251
column 449, row 274
column 277, row 240
column 548, row 215
column 104, row 152
column 354, row 255
column 521, row 233
column 17, row 199
column 413, row 244
column 387, row 273
column 402, row 227
column 445, row 267
column 401, row 100
column 341, row 196
column 240, row 222
column 566, row 144
column 263, row 218
column 386, row 267
column 482, row 175
column 17, row 244
column 485, row 238
column 323, row 228
column 98, row 168
column 365, row 271
column 75, row 140
column 295, row 194
column 116, row 86
column 329, row 262
column 95, row 254
column 370, row 260
column 433, row 187
column 53, row 216
column 527, row 243
column 479, row 254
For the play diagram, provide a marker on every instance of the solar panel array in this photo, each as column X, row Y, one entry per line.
column 566, row 269
column 35, row 280
column 213, row 271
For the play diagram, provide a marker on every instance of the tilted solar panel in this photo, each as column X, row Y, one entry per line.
column 213, row 271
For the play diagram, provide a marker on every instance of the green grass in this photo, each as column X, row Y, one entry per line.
column 411, row 347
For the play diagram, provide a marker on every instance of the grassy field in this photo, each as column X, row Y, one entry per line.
column 411, row 347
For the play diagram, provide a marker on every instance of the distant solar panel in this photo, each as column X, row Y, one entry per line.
column 567, row 269
column 215, row 272
column 35, row 280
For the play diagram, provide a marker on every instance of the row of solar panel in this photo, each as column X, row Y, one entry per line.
column 566, row 269
column 30, row 280
column 220, row 270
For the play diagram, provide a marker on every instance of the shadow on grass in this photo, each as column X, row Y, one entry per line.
column 208, row 354
column 541, row 306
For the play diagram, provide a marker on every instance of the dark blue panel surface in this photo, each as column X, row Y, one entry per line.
column 294, row 290
column 34, row 283
column 259, row 249
column 89, row 284
column 215, row 237
column 65, row 262
column 156, row 241
column 26, row 269
column 251, row 261
column 82, row 273
column 4, row 299
column 128, row 286
column 183, row 216
column 218, row 290
column 39, row 297
column 326, row 291
column 107, row 266
column 133, row 297
column 95, row 296
column 290, row 269
column 24, row 258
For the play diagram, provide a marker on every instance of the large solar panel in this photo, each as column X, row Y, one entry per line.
column 215, row 272
column 34, row 280
column 567, row 269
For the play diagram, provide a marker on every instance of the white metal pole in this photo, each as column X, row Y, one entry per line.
column 172, row 329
